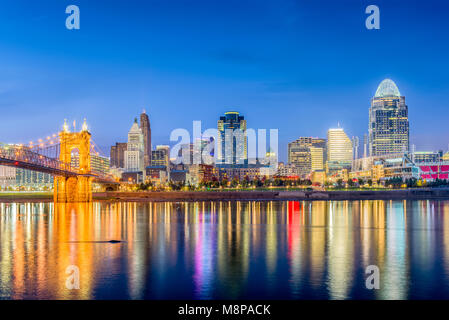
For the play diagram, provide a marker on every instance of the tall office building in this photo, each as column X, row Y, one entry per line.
column 308, row 154
column 134, row 153
column 118, row 154
column 355, row 147
column 339, row 150
column 232, row 144
column 146, row 131
column 388, row 121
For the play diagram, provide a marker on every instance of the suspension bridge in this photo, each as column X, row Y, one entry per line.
column 53, row 155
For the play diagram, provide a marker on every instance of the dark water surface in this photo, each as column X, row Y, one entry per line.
column 225, row 250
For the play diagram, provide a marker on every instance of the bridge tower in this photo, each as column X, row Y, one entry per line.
column 77, row 188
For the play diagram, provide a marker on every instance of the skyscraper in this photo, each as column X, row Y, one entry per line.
column 146, row 131
column 118, row 154
column 232, row 145
column 339, row 150
column 355, row 147
column 135, row 148
column 388, row 121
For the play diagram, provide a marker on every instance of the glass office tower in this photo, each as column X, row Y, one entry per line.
column 388, row 121
column 232, row 143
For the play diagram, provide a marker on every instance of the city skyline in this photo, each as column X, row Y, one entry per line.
column 50, row 73
column 145, row 120
column 227, row 158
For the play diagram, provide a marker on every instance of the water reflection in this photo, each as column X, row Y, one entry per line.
column 228, row 250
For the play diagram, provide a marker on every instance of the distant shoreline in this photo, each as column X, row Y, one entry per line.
column 296, row 195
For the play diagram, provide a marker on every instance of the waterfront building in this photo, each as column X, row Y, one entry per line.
column 18, row 178
column 160, row 156
column 239, row 172
column 232, row 144
column 375, row 173
column 33, row 179
column 339, row 150
column 433, row 171
column 7, row 177
column 388, row 121
column 146, row 131
column 198, row 173
column 426, row 156
column 178, row 175
column 431, row 165
column 117, row 173
column 118, row 155
column 132, row 177
column 307, row 154
column 364, row 164
column 288, row 170
column 135, row 149
column 318, row 177
column 97, row 163
column 395, row 165
column 157, row 174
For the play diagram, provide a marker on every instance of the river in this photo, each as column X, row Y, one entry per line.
column 224, row 250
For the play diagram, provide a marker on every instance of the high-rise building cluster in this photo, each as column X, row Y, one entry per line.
column 387, row 139
column 135, row 161
column 384, row 152
column 131, row 159
column 307, row 154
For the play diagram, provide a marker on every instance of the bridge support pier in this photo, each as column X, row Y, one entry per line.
column 72, row 189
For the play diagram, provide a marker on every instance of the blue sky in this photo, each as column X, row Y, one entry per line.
column 299, row 66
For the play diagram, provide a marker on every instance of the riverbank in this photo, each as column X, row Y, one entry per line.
column 403, row 194
column 7, row 197
column 412, row 194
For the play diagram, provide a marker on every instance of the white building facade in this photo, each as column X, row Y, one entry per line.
column 134, row 154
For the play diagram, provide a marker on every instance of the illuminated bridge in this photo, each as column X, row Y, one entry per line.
column 53, row 156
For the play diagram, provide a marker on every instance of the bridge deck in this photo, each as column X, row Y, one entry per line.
column 25, row 158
